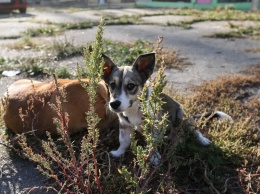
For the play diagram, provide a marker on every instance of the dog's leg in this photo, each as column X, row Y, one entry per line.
column 191, row 126
column 155, row 157
column 124, row 140
column 203, row 140
column 218, row 114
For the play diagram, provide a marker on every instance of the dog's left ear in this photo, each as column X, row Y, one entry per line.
column 144, row 64
column 108, row 66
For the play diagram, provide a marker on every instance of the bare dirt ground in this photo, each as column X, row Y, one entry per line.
column 211, row 58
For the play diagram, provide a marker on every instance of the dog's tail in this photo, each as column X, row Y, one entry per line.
column 212, row 115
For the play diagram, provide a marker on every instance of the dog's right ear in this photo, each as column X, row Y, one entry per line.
column 108, row 66
column 144, row 64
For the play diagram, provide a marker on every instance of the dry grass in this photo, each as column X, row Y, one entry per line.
column 253, row 50
column 173, row 60
column 232, row 161
column 28, row 43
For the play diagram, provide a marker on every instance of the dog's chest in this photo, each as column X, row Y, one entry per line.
column 131, row 117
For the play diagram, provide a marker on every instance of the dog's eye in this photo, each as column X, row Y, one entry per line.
column 112, row 85
column 130, row 86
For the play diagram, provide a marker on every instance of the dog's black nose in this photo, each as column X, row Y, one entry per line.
column 115, row 104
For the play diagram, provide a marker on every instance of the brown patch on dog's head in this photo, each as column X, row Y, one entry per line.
column 108, row 67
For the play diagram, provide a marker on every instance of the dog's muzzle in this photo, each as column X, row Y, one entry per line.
column 115, row 105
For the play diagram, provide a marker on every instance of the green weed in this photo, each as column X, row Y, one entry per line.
column 2, row 61
column 63, row 73
column 31, row 67
column 239, row 32
column 10, row 37
column 34, row 69
column 217, row 15
column 65, row 49
column 122, row 20
column 211, row 15
column 180, row 24
column 8, row 64
column 36, row 32
column 73, row 26
column 59, row 28
column 59, row 49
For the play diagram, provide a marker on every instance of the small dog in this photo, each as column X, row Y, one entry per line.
column 125, row 84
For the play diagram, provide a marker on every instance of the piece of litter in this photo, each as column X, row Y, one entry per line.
column 27, row 47
column 10, row 73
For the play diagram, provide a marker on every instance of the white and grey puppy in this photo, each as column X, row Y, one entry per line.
column 125, row 84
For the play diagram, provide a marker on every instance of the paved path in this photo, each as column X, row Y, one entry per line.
column 210, row 57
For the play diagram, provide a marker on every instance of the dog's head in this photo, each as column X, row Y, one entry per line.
column 125, row 83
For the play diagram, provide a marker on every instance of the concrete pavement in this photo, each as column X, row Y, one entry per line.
column 210, row 57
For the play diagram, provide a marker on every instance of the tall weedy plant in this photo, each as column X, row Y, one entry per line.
column 153, row 129
column 94, row 72
column 74, row 170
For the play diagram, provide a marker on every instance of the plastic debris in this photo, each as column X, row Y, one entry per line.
column 11, row 73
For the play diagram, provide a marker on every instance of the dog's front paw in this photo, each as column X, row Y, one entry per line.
column 203, row 140
column 116, row 153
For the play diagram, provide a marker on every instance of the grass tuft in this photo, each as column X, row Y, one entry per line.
column 63, row 73
column 217, row 15
column 239, row 32
column 27, row 43
column 75, row 26
column 10, row 37
column 65, row 49
column 36, row 32
column 122, row 20
column 234, row 154
column 253, row 50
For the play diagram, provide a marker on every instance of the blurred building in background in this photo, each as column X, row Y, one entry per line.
column 198, row 4
column 201, row 4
